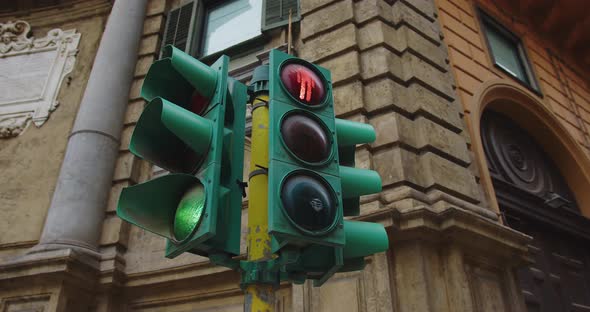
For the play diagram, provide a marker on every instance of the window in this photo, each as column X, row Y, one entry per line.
column 507, row 51
column 230, row 23
column 203, row 28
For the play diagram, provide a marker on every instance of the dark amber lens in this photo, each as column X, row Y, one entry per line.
column 189, row 212
column 303, row 84
column 308, row 201
column 306, row 138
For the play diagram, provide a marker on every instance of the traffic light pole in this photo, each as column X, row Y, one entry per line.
column 258, row 296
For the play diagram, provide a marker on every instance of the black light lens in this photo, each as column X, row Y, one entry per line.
column 308, row 201
column 306, row 138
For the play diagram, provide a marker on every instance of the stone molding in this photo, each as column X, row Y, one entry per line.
column 58, row 48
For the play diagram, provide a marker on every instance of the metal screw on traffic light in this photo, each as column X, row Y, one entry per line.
column 193, row 127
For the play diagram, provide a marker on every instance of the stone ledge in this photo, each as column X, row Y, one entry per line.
column 173, row 274
column 326, row 19
column 67, row 263
column 411, row 100
column 478, row 234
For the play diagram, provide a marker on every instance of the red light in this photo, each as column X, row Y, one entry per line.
column 303, row 84
column 198, row 103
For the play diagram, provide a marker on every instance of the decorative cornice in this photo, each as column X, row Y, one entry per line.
column 76, row 267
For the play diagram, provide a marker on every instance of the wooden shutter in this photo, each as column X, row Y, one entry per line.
column 181, row 27
column 275, row 13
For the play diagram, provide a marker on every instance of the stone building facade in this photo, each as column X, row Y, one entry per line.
column 482, row 111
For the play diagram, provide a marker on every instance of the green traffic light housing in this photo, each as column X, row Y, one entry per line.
column 193, row 127
column 312, row 180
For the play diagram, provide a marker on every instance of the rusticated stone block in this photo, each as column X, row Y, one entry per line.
column 435, row 136
column 378, row 33
column 311, row 5
column 348, row 97
column 420, row 134
column 153, row 25
column 344, row 67
column 380, row 61
column 441, row 173
column 371, row 9
column 124, row 166
column 426, row 103
column 155, row 7
column 408, row 16
column 416, row 68
column 387, row 128
column 135, row 89
column 424, row 7
column 148, row 45
column 414, row 99
column 396, row 165
column 423, row 48
column 326, row 18
column 114, row 195
column 143, row 65
column 111, row 228
column 362, row 159
column 126, row 137
column 383, row 93
column 134, row 110
column 328, row 44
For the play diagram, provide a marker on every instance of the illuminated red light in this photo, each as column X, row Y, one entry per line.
column 303, row 84
column 198, row 103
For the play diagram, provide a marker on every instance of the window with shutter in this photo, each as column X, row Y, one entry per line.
column 202, row 28
column 276, row 13
column 507, row 51
column 181, row 26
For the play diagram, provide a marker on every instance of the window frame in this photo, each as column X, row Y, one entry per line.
column 488, row 23
column 197, row 49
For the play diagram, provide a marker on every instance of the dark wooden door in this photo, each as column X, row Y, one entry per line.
column 559, row 280
column 535, row 200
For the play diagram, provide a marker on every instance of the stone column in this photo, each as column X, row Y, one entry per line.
column 75, row 217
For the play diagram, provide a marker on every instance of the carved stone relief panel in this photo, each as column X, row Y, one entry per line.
column 31, row 73
column 514, row 157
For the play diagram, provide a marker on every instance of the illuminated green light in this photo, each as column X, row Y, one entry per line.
column 189, row 212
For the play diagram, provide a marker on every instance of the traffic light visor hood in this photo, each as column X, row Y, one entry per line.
column 171, row 137
column 180, row 79
column 171, row 206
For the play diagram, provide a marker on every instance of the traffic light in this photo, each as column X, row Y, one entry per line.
column 193, row 127
column 312, row 181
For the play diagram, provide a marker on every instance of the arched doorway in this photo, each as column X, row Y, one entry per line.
column 534, row 198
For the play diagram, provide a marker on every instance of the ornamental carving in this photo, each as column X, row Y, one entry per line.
column 514, row 157
column 32, row 70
